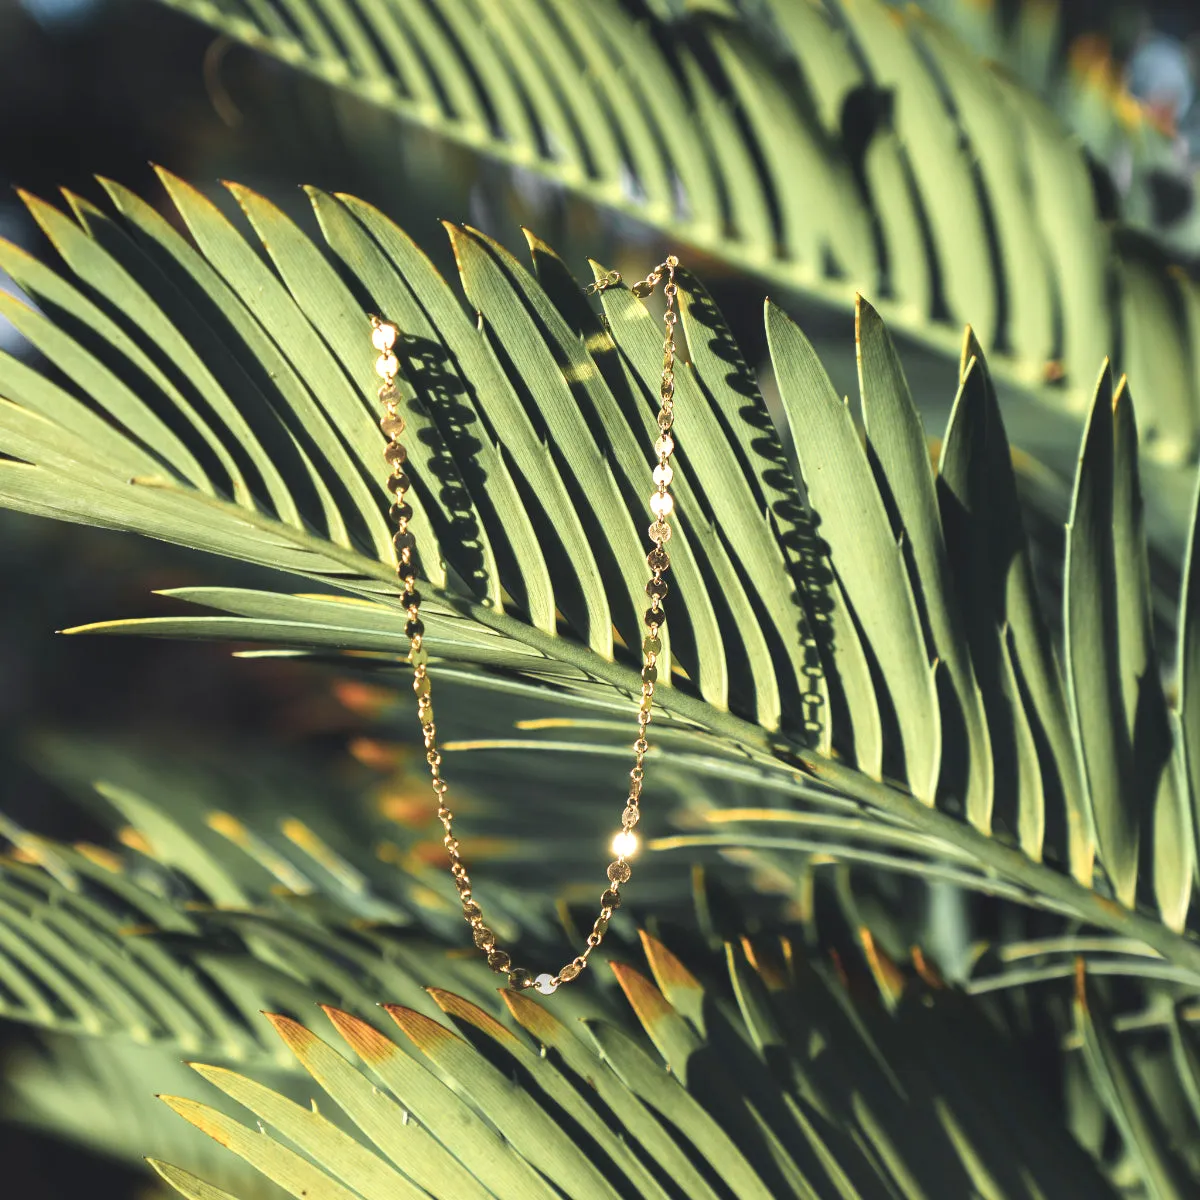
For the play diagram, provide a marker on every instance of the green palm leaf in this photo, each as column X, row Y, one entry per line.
column 767, row 179
column 846, row 1099
column 802, row 1124
column 863, row 629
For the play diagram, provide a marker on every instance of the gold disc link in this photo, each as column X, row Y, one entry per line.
column 384, row 336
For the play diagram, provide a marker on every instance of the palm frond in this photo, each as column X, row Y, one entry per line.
column 849, row 1099
column 771, row 177
column 827, row 642
column 652, row 1107
column 94, row 1092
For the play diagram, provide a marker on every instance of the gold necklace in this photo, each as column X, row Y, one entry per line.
column 387, row 366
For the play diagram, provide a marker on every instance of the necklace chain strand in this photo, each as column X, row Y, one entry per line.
column 387, row 366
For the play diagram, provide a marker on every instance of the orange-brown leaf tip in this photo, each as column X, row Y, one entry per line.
column 370, row 752
column 424, row 1032
column 669, row 972
column 1080, row 982
column 647, row 1001
column 455, row 1006
column 294, row 1035
column 530, row 1015
column 365, row 1040
column 1120, row 392
column 928, row 973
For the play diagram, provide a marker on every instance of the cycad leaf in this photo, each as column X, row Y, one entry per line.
column 1092, row 664
column 516, row 1113
column 1188, row 666
column 735, row 1138
column 989, row 555
column 614, row 1092
column 337, row 1152
column 284, row 322
column 292, row 1172
column 896, row 444
column 187, row 1184
column 985, row 203
column 1124, row 1097
column 408, row 1145
column 852, row 519
column 1159, row 801
column 541, row 363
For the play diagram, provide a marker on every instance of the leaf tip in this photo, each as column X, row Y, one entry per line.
column 295, row 1036
column 926, row 970
column 365, row 1040
column 669, row 972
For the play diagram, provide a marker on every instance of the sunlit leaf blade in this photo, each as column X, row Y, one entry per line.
column 558, row 1088
column 1188, row 666
column 957, row 157
column 337, row 337
column 440, row 1109
column 662, row 1092
column 644, row 1127
column 852, row 520
column 284, row 322
column 1092, row 665
column 445, row 395
column 109, row 263
column 1163, row 810
column 408, row 1145
column 337, row 1152
column 638, row 338
column 744, row 646
column 702, row 643
column 898, row 451
column 287, row 1168
column 1156, row 361
column 1076, row 243
column 496, row 295
column 516, row 1113
column 111, row 392
column 730, row 387
column 187, row 1184
column 215, row 305
column 544, row 494
column 997, row 146
column 939, row 168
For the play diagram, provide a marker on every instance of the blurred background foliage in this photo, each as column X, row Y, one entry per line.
column 109, row 86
